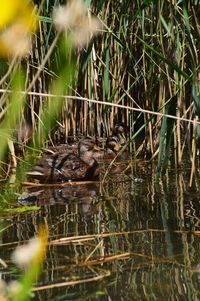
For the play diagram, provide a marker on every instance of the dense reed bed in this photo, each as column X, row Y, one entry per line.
column 134, row 63
column 142, row 71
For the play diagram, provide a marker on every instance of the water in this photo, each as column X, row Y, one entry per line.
column 151, row 250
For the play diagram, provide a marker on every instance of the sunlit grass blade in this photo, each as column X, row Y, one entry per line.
column 14, row 111
column 169, row 131
column 161, row 146
column 166, row 133
column 196, row 95
column 106, row 74
column 167, row 61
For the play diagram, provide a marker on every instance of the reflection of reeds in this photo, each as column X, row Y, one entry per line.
column 132, row 228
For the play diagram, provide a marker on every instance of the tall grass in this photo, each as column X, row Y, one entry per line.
column 147, row 58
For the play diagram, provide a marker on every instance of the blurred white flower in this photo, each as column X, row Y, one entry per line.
column 69, row 15
column 14, row 288
column 24, row 255
column 83, row 34
column 73, row 19
column 2, row 287
column 18, row 19
column 15, row 41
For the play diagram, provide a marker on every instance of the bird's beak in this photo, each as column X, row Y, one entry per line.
column 123, row 135
column 117, row 147
column 96, row 148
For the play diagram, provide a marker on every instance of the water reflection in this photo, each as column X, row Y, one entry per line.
column 146, row 245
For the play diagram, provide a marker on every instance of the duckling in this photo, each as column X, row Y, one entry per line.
column 112, row 147
column 113, row 144
column 119, row 133
column 68, row 166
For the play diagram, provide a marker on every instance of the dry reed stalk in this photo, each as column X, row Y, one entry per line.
column 187, row 120
column 34, row 184
column 73, row 282
column 106, row 259
column 192, row 158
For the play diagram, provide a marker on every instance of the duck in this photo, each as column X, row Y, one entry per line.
column 118, row 132
column 112, row 148
column 114, row 143
column 66, row 148
column 68, row 166
column 61, row 148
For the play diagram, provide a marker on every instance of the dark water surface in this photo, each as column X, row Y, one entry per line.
column 151, row 252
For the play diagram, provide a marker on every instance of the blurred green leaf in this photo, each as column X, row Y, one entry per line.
column 22, row 209
column 196, row 96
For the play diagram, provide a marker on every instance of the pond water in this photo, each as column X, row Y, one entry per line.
column 128, row 237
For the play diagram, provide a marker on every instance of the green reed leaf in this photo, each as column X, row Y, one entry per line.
column 167, row 61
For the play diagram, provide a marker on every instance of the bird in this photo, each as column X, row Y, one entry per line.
column 78, row 161
column 65, row 166
column 112, row 147
column 61, row 148
column 119, row 133
column 65, row 148
column 114, row 143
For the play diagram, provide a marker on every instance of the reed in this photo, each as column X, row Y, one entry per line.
column 146, row 58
